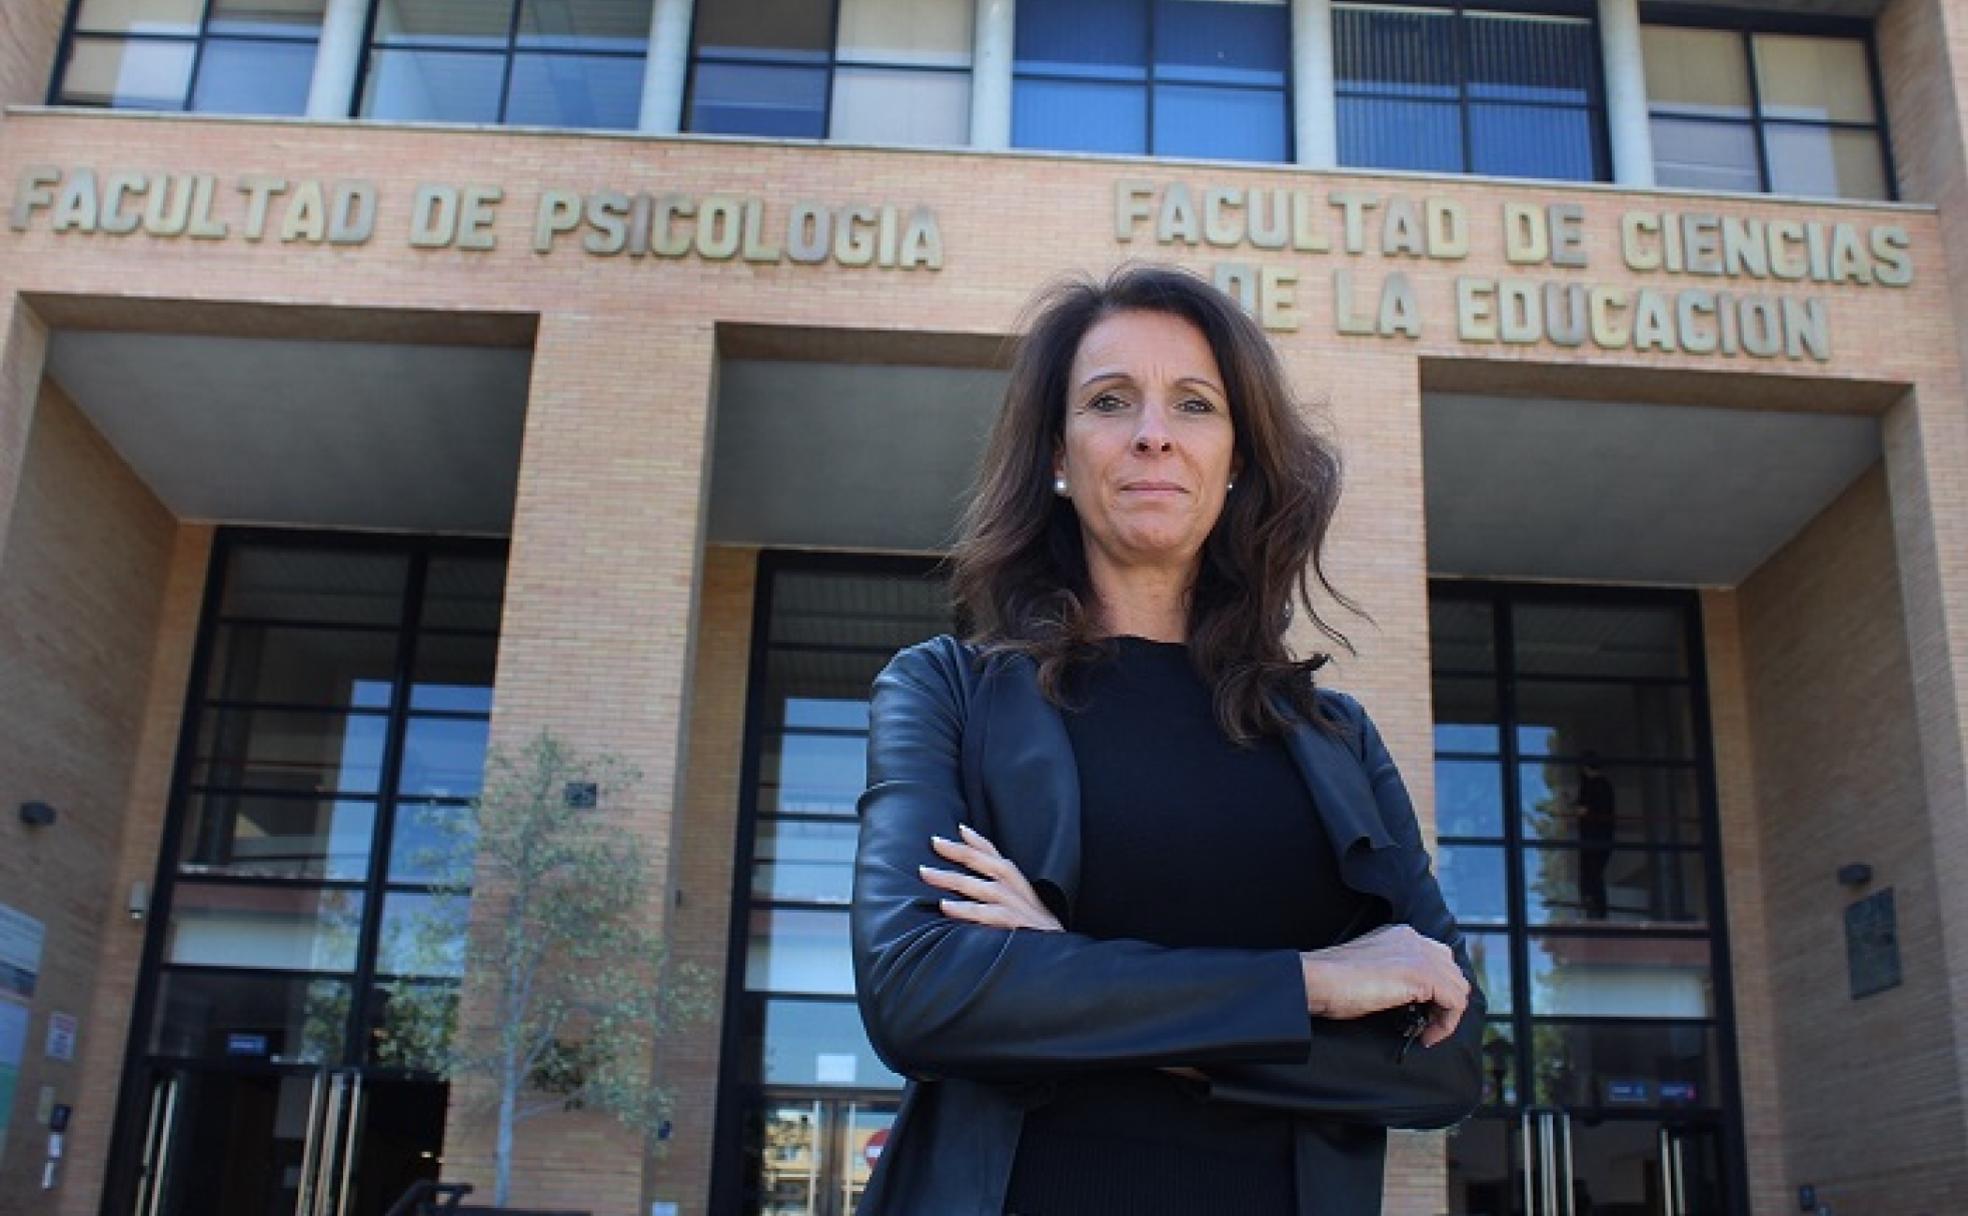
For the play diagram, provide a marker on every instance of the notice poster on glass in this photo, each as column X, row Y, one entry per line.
column 13, row 1042
column 21, row 938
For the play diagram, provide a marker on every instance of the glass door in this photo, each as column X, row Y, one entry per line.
column 815, row 1154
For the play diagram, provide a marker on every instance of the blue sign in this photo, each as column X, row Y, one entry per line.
column 246, row 1044
column 1629, row 1091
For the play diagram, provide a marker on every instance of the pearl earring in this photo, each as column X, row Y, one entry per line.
column 1059, row 485
column 1231, row 486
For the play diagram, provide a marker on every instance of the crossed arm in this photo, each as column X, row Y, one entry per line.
column 946, row 992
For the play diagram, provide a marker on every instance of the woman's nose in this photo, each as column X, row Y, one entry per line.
column 1151, row 435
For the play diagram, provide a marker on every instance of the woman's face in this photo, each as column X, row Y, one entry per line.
column 1149, row 444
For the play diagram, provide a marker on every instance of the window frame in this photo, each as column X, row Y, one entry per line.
column 70, row 35
column 454, row 44
column 1459, row 11
column 1746, row 25
column 830, row 64
column 1148, row 81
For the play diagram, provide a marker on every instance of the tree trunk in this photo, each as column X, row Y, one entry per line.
column 508, row 1099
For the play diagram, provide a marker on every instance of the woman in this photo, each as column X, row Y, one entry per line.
column 1143, row 916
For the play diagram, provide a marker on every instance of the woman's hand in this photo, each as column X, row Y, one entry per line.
column 995, row 892
column 1386, row 969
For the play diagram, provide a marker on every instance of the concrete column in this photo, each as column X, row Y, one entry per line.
column 990, row 74
column 667, row 67
column 331, row 92
column 1315, row 111
column 1626, row 93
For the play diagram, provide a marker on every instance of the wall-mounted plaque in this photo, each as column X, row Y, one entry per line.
column 1872, row 944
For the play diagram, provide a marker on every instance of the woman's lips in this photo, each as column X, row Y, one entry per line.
column 1152, row 487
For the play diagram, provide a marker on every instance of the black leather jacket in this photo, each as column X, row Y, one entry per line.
column 979, row 1019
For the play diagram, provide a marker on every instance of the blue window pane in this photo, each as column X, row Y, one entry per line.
column 1079, row 116
column 1531, row 59
column 1532, row 141
column 236, row 77
column 1394, row 54
column 441, row 86
column 585, row 25
column 575, row 91
column 1216, row 43
column 1083, row 37
column 759, row 99
column 1224, row 124
column 1389, row 133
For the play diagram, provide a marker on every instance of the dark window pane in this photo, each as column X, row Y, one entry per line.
column 1499, row 1063
column 758, row 25
column 1541, row 59
column 301, row 752
column 1483, row 1165
column 810, row 1043
column 1651, row 805
column 803, row 862
column 1621, row 976
column 237, row 76
column 413, row 1024
column 881, row 613
column 432, row 842
column 127, row 75
column 1468, row 798
column 1473, row 883
column 443, row 757
column 1461, row 635
column 139, row 16
column 1600, row 639
column 482, row 22
column 759, row 99
column 1212, row 42
column 297, row 928
column 1600, row 884
column 1489, row 953
column 1615, row 1066
column 1466, row 715
column 454, row 672
column 586, row 25
column 318, row 585
column 1390, row 133
column 434, row 86
column 588, row 91
column 1223, row 124
column 806, row 773
column 243, row 834
column 1083, row 37
column 286, row 18
column 799, row 950
column 1825, row 162
column 1532, row 141
column 1394, row 54
column 422, row 934
column 1636, row 720
column 1703, row 155
column 331, row 668
column 464, row 592
column 1079, row 116
column 283, row 1018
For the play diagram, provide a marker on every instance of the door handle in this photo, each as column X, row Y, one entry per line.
column 347, row 1140
column 310, row 1147
column 157, row 1144
column 1561, row 1122
column 324, row 1157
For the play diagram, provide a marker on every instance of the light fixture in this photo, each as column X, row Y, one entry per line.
column 1854, row 874
column 37, row 814
column 139, row 905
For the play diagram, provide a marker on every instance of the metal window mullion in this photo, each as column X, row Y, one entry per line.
column 511, row 53
column 833, row 60
column 1517, row 937
column 1150, row 78
column 1756, row 105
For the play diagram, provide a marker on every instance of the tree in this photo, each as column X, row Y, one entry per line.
column 577, row 989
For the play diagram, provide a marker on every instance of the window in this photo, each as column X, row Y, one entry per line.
column 876, row 71
column 552, row 63
column 1457, row 90
column 1752, row 110
column 225, row 56
column 1202, row 78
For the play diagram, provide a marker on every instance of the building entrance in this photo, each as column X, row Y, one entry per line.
column 306, row 923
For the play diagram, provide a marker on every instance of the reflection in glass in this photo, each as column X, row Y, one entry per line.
column 290, row 928
column 302, row 752
column 1222, row 123
column 864, row 1121
column 799, row 950
column 295, row 665
column 803, row 862
column 485, row 21
column 444, row 757
column 1581, row 1064
column 1482, row 1165
column 800, row 1042
column 1489, row 954
column 1593, row 639
column 1468, row 798
column 1079, row 115
column 789, row 1159
column 1611, row 718
column 454, row 673
column 1638, row 886
column 423, row 934
column 127, row 75
column 238, row 76
column 770, row 99
column 802, row 773
column 432, row 842
column 1616, row 1163
column 595, row 92
column 244, row 834
column 1466, row 715
column 433, row 86
column 1651, row 804
column 1473, row 882
column 274, row 1017
column 412, row 1024
column 1499, row 1064
column 831, row 713
column 1622, row 976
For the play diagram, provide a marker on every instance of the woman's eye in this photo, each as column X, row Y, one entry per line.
column 1198, row 405
column 1105, row 402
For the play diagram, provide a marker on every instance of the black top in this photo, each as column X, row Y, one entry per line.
column 1186, row 840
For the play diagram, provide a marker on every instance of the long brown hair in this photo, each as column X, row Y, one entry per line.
column 1019, row 569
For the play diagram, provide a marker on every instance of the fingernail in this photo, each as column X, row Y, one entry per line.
column 966, row 829
column 939, row 840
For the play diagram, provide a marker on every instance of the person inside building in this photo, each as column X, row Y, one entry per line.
column 1596, row 827
column 1142, row 914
